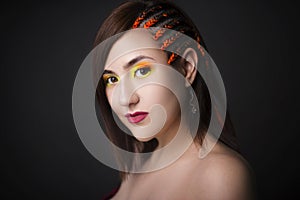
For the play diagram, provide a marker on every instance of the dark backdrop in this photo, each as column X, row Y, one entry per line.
column 254, row 43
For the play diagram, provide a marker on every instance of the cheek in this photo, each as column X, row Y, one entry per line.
column 169, row 101
column 113, row 103
column 160, row 95
column 108, row 93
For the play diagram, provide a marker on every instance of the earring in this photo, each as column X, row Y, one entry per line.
column 194, row 109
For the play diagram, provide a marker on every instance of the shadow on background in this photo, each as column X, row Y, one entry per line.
column 254, row 45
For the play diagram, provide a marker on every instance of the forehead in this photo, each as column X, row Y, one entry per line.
column 133, row 43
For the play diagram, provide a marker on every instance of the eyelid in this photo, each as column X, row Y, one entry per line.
column 107, row 76
column 139, row 66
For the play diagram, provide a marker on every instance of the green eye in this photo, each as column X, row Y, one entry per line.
column 142, row 72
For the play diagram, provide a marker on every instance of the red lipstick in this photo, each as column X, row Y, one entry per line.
column 136, row 117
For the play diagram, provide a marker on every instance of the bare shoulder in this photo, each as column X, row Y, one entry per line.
column 223, row 174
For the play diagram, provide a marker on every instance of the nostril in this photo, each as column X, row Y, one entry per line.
column 134, row 99
column 129, row 101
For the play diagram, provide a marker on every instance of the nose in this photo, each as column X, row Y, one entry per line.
column 128, row 97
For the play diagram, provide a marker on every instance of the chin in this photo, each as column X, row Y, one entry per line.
column 144, row 139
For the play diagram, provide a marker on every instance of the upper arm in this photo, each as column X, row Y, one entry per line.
column 223, row 177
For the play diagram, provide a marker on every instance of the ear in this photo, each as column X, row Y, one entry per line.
column 190, row 65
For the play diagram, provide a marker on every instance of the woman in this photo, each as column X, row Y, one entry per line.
column 144, row 105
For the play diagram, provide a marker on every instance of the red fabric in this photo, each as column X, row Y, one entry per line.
column 111, row 194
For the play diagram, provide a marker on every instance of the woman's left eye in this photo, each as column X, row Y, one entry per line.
column 142, row 72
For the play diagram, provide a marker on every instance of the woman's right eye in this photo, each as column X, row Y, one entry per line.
column 110, row 80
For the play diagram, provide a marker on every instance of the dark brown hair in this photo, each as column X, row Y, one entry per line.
column 156, row 13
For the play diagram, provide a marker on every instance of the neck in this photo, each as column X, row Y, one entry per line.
column 173, row 143
column 176, row 127
column 166, row 136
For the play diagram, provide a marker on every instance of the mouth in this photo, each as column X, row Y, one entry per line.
column 136, row 117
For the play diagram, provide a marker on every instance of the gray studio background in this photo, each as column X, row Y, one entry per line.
column 254, row 44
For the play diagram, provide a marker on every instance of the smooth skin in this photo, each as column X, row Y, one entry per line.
column 222, row 175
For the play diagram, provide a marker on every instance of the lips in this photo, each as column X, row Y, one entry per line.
column 136, row 117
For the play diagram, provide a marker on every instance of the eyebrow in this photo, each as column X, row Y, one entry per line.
column 130, row 63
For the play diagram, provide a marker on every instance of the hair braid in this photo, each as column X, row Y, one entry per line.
column 167, row 18
column 145, row 15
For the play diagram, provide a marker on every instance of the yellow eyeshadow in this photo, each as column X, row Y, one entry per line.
column 107, row 76
column 139, row 66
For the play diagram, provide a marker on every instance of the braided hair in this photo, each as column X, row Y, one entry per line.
column 163, row 15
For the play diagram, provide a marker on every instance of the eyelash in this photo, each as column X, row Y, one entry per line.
column 140, row 72
column 107, row 79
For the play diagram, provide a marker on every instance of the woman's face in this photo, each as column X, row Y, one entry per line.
column 137, row 87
